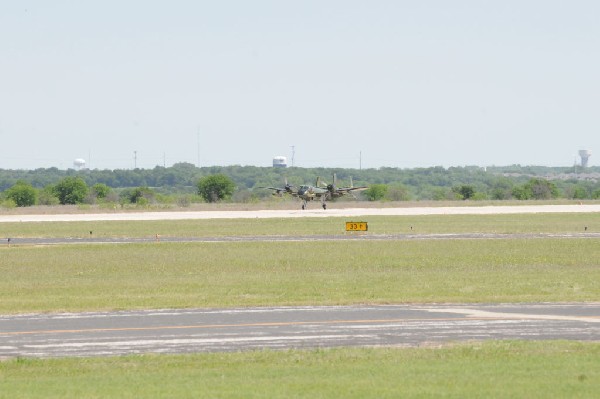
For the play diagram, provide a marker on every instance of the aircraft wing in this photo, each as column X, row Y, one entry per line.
column 278, row 190
column 281, row 190
column 343, row 190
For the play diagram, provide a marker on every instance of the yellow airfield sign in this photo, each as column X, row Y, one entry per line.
column 357, row 226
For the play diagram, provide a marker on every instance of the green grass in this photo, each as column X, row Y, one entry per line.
column 554, row 369
column 180, row 275
column 528, row 223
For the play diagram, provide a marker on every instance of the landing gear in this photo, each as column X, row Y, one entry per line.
column 305, row 203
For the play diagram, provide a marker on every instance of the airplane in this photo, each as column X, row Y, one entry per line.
column 287, row 189
column 326, row 191
column 320, row 190
column 337, row 192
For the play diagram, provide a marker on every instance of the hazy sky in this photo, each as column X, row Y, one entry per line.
column 404, row 83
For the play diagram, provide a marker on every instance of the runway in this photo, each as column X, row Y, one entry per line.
column 313, row 213
column 212, row 330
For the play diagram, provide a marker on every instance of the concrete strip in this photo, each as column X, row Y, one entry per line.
column 264, row 214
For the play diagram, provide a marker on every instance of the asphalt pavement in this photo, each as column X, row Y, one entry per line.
column 212, row 330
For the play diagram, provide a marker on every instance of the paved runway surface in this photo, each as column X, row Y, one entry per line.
column 343, row 212
column 209, row 330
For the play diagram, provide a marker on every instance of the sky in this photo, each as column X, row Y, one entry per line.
column 329, row 83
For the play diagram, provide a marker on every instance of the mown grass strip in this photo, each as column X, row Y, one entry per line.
column 491, row 369
column 184, row 275
column 528, row 223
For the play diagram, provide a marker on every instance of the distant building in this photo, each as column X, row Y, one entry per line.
column 280, row 162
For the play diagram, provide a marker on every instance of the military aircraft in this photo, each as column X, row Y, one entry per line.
column 320, row 190
column 337, row 192
column 287, row 189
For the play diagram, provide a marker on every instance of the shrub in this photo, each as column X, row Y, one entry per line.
column 71, row 190
column 376, row 192
column 23, row 194
column 215, row 188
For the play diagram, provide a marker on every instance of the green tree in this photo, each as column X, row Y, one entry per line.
column 48, row 196
column 521, row 193
column 376, row 192
column 465, row 191
column 141, row 195
column 214, row 188
column 444, row 194
column 536, row 188
column 398, row 192
column 542, row 189
column 22, row 193
column 502, row 189
column 100, row 190
column 71, row 190
column 579, row 192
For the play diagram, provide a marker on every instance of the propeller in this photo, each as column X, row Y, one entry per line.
column 288, row 186
column 279, row 191
column 330, row 187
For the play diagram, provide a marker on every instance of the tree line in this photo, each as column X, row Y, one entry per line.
column 184, row 183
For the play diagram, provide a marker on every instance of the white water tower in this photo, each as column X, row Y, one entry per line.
column 585, row 156
column 79, row 164
column 280, row 162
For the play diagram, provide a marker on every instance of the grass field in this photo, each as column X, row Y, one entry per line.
column 526, row 223
column 179, row 275
column 491, row 370
column 163, row 275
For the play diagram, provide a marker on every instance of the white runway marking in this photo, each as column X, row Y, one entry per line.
column 179, row 342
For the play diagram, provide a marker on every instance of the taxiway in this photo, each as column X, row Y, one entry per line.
column 332, row 212
column 209, row 330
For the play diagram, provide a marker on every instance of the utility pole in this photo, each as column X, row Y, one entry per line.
column 293, row 154
column 198, row 146
column 134, row 159
column 360, row 160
